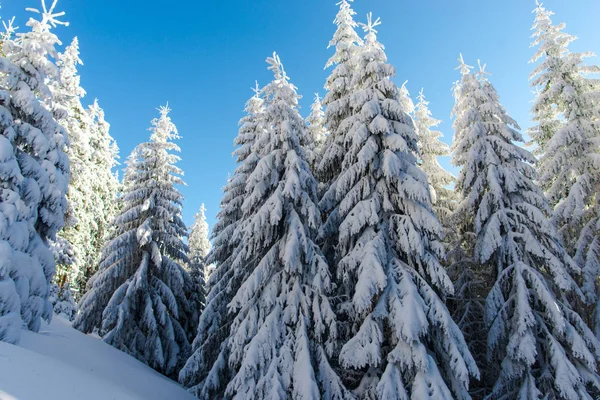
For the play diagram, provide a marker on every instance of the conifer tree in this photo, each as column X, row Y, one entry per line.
column 199, row 247
column 540, row 345
column 139, row 300
column 79, row 220
column 407, row 104
column 105, row 187
column 34, row 175
column 207, row 367
column 339, row 88
column 430, row 148
column 567, row 136
column 399, row 340
column 318, row 131
column 284, row 327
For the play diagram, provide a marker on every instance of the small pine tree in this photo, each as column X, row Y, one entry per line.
column 541, row 345
column 430, row 148
column 207, row 367
column 567, row 134
column 199, row 247
column 399, row 340
column 34, row 178
column 318, row 131
column 140, row 299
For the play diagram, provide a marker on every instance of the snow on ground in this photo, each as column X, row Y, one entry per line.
column 60, row 363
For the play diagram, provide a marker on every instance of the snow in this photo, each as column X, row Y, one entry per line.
column 62, row 363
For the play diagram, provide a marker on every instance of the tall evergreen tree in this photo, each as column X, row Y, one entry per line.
column 430, row 148
column 104, row 185
column 567, row 135
column 207, row 369
column 318, row 131
column 542, row 346
column 34, row 175
column 68, row 93
column 140, row 299
column 399, row 340
column 339, row 88
column 199, row 247
column 283, row 327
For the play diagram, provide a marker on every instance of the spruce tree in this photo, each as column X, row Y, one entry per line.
column 206, row 370
column 105, row 187
column 284, row 327
column 140, row 299
column 199, row 247
column 537, row 344
column 430, row 148
column 567, row 135
column 339, row 88
column 318, row 131
column 399, row 340
column 34, row 175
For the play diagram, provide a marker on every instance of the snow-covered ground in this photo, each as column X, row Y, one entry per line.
column 62, row 363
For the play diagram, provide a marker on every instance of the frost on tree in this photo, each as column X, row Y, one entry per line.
column 199, row 247
column 34, row 174
column 284, row 327
column 567, row 135
column 317, row 129
column 537, row 343
column 209, row 360
column 430, row 148
column 92, row 190
column 399, row 340
column 139, row 300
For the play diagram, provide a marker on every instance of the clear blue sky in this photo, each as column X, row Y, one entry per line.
column 204, row 56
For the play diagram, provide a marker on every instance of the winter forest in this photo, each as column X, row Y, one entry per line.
column 345, row 262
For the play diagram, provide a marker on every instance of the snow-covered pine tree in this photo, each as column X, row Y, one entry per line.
column 62, row 301
column 67, row 94
column 284, row 327
column 139, row 300
column 199, row 247
column 567, row 135
column 35, row 175
column 318, row 131
column 399, row 340
column 430, row 148
column 338, row 85
column 104, row 185
column 407, row 104
column 539, row 343
column 208, row 367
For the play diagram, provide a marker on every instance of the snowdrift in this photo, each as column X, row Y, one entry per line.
column 62, row 363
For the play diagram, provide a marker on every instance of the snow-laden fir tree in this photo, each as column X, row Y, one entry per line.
column 339, row 87
column 567, row 135
column 430, row 148
column 406, row 102
column 318, row 131
column 34, row 175
column 62, row 301
column 199, row 247
column 68, row 93
column 210, row 350
column 104, row 185
column 284, row 327
column 140, row 300
column 399, row 340
column 537, row 344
